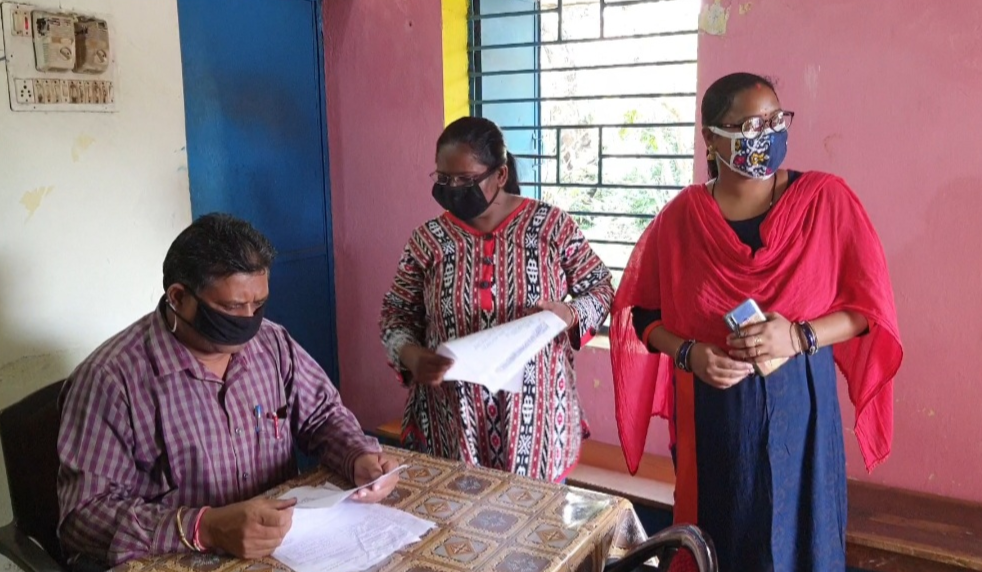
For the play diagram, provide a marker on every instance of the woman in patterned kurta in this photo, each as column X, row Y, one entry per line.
column 492, row 258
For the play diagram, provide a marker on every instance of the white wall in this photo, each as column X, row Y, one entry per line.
column 113, row 193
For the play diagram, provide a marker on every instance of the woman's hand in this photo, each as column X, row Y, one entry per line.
column 775, row 338
column 558, row 308
column 426, row 366
column 714, row 367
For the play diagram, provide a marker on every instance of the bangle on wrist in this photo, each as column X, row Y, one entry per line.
column 572, row 313
column 196, row 535
column 683, row 355
column 795, row 333
column 178, row 520
column 809, row 337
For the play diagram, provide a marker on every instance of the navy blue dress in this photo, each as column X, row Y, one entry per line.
column 770, row 460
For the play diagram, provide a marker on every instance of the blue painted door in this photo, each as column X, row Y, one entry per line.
column 257, row 145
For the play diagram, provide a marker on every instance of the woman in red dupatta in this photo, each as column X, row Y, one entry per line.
column 760, row 461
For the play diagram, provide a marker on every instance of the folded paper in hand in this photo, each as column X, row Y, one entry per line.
column 328, row 495
column 496, row 357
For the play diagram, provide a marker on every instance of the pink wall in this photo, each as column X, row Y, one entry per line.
column 385, row 112
column 886, row 98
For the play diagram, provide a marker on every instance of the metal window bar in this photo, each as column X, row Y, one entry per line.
column 582, row 98
column 591, row 185
column 599, row 183
column 560, row 42
column 474, row 39
column 600, row 156
column 477, row 76
column 628, row 65
column 497, row 15
column 599, row 126
column 475, row 18
column 602, row 214
column 631, row 2
column 603, row 8
column 539, row 157
column 611, row 242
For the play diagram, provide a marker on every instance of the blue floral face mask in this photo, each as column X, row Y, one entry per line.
column 758, row 157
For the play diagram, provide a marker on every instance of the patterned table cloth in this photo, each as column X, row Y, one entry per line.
column 486, row 520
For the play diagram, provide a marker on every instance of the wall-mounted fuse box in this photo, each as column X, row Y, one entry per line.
column 57, row 60
column 91, row 45
column 54, row 41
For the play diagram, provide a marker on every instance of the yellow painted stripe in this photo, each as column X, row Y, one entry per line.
column 456, row 90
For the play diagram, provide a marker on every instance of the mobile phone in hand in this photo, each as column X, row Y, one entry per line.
column 747, row 314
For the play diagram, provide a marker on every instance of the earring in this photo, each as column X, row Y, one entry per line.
column 711, row 153
column 174, row 328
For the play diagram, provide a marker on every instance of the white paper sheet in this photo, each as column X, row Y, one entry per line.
column 496, row 357
column 347, row 538
column 328, row 495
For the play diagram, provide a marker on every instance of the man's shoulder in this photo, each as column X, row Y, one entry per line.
column 126, row 345
column 123, row 355
column 273, row 338
column 275, row 346
column 271, row 332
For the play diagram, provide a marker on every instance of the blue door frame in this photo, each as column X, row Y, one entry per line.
column 256, row 115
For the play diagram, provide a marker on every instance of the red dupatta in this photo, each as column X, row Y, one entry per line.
column 821, row 255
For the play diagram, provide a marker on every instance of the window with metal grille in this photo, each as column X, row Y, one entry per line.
column 597, row 101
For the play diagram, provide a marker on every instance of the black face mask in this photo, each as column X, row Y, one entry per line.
column 221, row 328
column 465, row 203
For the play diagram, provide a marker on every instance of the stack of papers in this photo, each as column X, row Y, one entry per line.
column 350, row 537
column 331, row 535
column 496, row 357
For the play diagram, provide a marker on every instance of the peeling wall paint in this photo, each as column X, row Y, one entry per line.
column 26, row 374
column 182, row 153
column 82, row 143
column 829, row 143
column 713, row 18
column 811, row 79
column 31, row 200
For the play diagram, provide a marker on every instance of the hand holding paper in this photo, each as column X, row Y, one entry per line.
column 376, row 476
column 425, row 365
column 496, row 357
column 248, row 529
column 560, row 309
column 328, row 495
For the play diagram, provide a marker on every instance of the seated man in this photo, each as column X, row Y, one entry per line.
column 173, row 425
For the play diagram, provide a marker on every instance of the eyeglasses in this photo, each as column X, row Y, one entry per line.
column 460, row 180
column 753, row 127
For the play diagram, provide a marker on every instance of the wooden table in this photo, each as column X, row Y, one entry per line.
column 486, row 520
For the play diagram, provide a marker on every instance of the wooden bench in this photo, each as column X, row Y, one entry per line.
column 901, row 531
column 889, row 529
